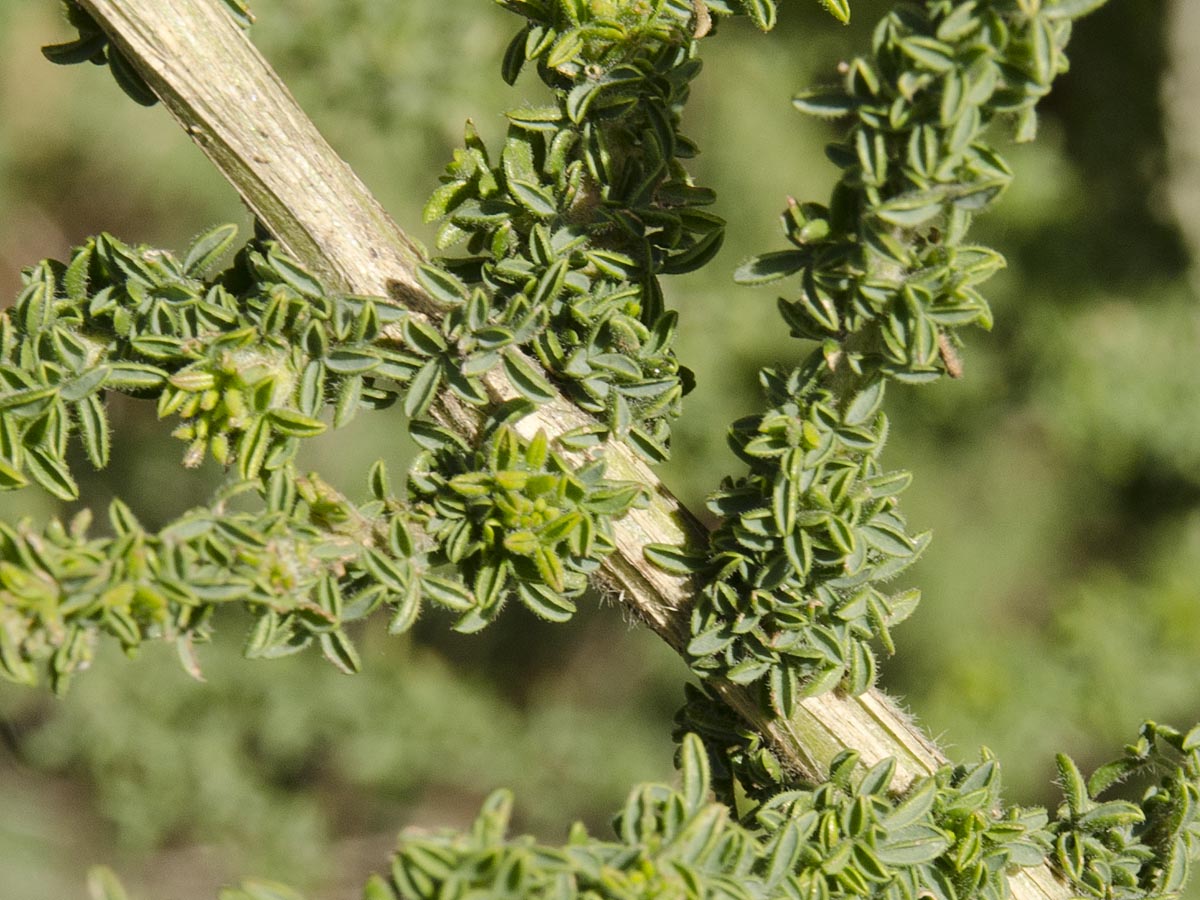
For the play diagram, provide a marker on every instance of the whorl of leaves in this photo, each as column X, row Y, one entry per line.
column 92, row 45
column 886, row 274
column 514, row 517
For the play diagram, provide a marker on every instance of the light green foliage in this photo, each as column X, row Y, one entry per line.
column 517, row 517
column 1120, row 849
column 1107, row 848
column 61, row 589
column 847, row 837
column 567, row 232
column 248, row 359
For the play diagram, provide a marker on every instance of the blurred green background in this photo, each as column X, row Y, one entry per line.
column 1061, row 477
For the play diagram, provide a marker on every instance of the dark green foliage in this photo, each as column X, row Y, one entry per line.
column 886, row 278
column 248, row 359
column 887, row 275
column 793, row 589
column 587, row 205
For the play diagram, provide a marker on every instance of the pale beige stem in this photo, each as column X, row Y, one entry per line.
column 233, row 105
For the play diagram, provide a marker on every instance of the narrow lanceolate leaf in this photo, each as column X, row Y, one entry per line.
column 1070, row 9
column 693, row 764
column 338, row 649
column 423, row 388
column 208, row 248
column 441, row 285
column 826, row 104
column 840, row 9
column 761, row 12
column 675, row 560
column 771, row 267
column 533, row 197
column 51, row 473
column 527, row 380
column 293, row 424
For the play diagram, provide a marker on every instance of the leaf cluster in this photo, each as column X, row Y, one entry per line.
column 248, row 360
column 847, row 837
column 515, row 517
column 1118, row 849
column 62, row 589
column 586, row 206
column 887, row 277
column 791, row 588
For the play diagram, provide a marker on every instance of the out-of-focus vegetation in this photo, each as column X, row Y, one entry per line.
column 1061, row 476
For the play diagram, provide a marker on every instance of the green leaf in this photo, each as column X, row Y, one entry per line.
column 441, row 285
column 523, row 543
column 77, row 51
column 254, row 889
column 829, row 103
column 453, row 595
column 93, row 430
column 526, row 379
column 761, row 12
column 423, row 389
column 293, row 424
column 912, row 209
column 11, row 478
column 928, row 53
column 296, row 276
column 771, row 266
column 338, row 649
column 1071, row 781
column 693, row 767
column 207, row 248
column 1070, row 9
column 533, row 197
column 544, row 602
column 675, row 560
column 408, row 607
column 840, row 9
column 130, row 81
column 535, row 118
column 51, row 473
column 550, row 568
column 514, row 57
column 697, row 255
column 913, row 846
